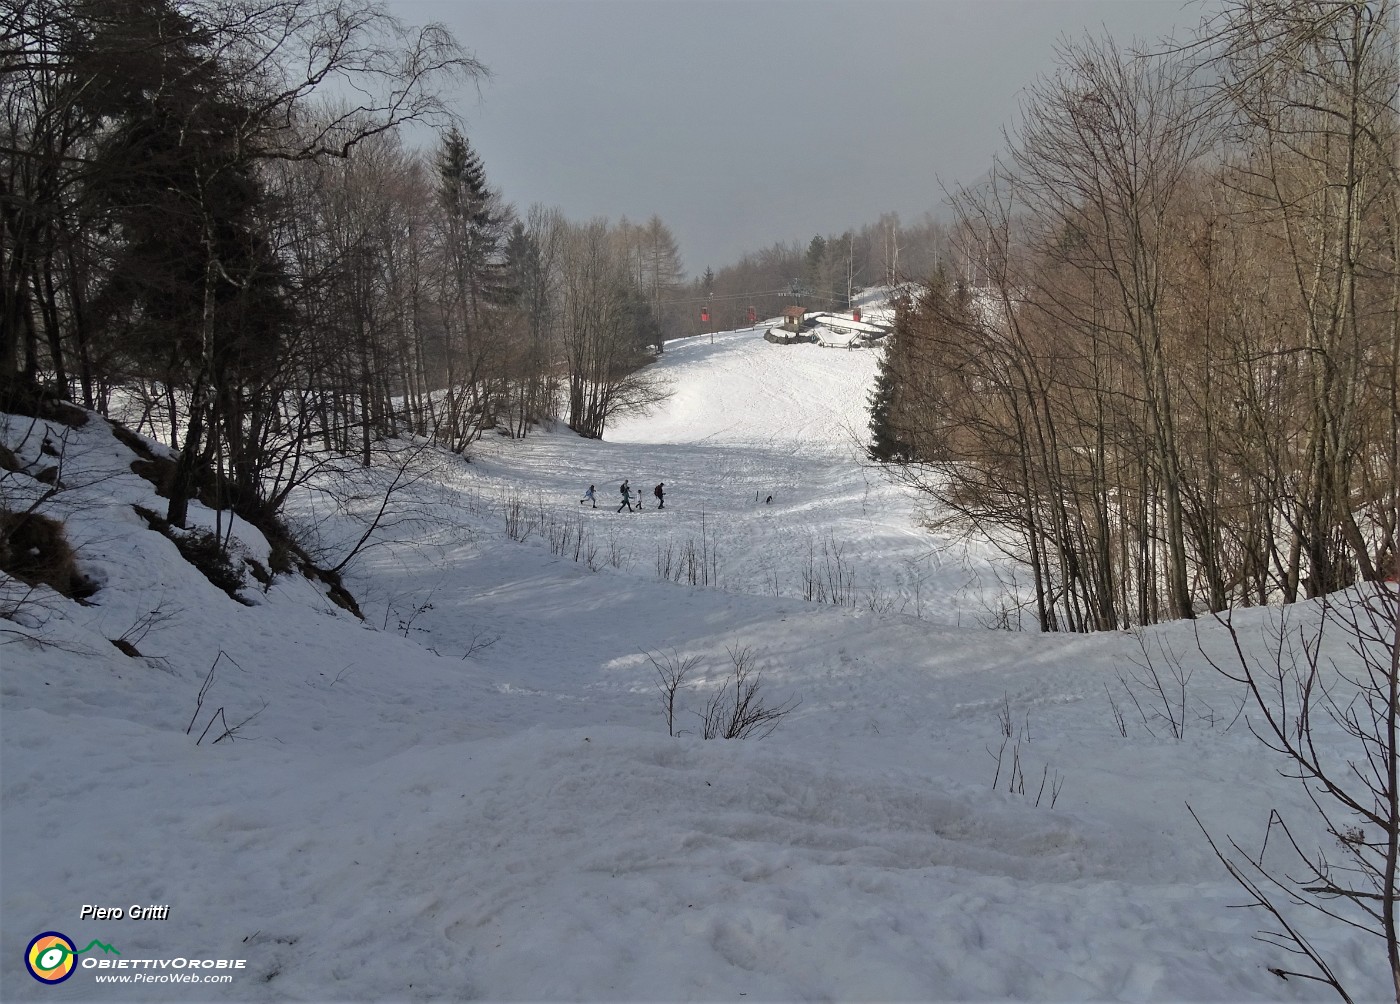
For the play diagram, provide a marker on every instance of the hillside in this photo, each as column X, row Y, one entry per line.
column 472, row 793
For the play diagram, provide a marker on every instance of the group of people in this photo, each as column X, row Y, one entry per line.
column 659, row 491
column 591, row 496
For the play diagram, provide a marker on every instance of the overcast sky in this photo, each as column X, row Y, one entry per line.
column 745, row 122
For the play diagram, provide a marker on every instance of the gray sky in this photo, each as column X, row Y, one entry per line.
column 745, row 122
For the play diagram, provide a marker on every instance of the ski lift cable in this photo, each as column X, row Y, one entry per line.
column 725, row 296
column 832, row 295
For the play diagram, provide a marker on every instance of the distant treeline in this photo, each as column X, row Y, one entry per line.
column 823, row 275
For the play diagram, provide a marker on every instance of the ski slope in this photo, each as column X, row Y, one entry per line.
column 472, row 794
column 747, row 420
column 740, row 390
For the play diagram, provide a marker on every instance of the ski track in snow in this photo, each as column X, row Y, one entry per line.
column 472, row 794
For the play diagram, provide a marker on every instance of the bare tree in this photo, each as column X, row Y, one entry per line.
column 1173, row 366
column 1335, row 721
column 1312, row 88
column 607, row 326
column 671, row 672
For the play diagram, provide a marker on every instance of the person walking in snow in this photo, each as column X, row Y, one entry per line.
column 626, row 497
column 589, row 497
column 660, row 495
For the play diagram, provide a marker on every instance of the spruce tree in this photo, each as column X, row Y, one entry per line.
column 814, row 270
column 194, row 286
column 478, row 226
column 885, row 442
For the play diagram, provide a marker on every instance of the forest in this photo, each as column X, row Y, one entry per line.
column 1153, row 354
column 225, row 211
column 1162, row 362
column 211, row 209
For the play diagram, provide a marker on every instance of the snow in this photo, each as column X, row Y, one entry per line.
column 845, row 324
column 472, row 793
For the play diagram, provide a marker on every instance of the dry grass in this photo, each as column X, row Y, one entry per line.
column 34, row 550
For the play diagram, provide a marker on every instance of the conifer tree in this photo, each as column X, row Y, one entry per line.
column 885, row 442
column 194, row 287
column 477, row 224
column 814, row 270
column 475, row 228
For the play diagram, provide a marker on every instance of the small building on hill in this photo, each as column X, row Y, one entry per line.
column 792, row 329
column 846, row 330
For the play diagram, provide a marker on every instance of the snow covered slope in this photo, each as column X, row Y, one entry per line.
column 741, row 390
column 472, row 794
column 748, row 420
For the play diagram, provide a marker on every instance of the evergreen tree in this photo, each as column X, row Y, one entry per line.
column 477, row 224
column 77, row 74
column 814, row 271
column 195, row 288
column 640, row 323
column 476, row 227
column 885, row 442
column 524, row 266
column 462, row 185
column 893, row 404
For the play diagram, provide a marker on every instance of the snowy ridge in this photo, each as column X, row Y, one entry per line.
column 472, row 794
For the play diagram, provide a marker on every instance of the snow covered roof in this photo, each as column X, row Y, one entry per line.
column 848, row 323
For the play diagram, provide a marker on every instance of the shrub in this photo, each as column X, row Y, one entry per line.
column 739, row 710
column 34, row 550
column 205, row 551
column 201, row 549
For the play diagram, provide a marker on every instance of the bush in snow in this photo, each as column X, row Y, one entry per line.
column 738, row 710
column 33, row 550
column 202, row 549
